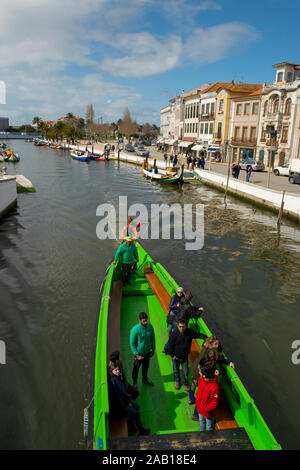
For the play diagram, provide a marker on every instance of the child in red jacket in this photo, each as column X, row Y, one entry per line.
column 207, row 397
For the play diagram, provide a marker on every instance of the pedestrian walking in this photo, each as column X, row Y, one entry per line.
column 142, row 344
column 248, row 175
column 166, row 159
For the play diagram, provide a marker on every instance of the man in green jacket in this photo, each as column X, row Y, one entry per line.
column 128, row 255
column 142, row 344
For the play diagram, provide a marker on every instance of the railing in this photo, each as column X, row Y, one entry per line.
column 273, row 116
column 240, row 141
column 207, row 117
column 272, row 143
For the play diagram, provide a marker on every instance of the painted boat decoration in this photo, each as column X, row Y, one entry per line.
column 239, row 424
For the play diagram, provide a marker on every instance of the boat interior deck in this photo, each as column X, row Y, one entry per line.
column 163, row 409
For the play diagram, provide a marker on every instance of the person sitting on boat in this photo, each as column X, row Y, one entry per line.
column 125, row 405
column 207, row 397
column 187, row 311
column 179, row 348
column 142, row 344
column 128, row 255
column 115, row 359
column 211, row 353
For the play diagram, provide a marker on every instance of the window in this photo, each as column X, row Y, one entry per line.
column 201, row 128
column 237, row 133
column 196, row 127
column 288, row 104
column 221, row 106
column 238, row 109
column 253, row 134
column 276, row 106
column 206, row 128
column 280, row 77
column 285, row 132
column 211, row 128
column 247, row 108
column 212, row 108
column 245, row 133
column 255, row 108
column 265, row 107
column 203, row 109
column 197, row 110
column 289, row 76
column 263, row 135
column 207, row 108
column 219, row 134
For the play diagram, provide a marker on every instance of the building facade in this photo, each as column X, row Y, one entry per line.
column 207, row 118
column 165, row 115
column 244, row 125
column 4, row 123
column 278, row 139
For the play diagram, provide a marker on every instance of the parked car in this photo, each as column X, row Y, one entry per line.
column 294, row 178
column 129, row 148
column 141, row 152
column 256, row 166
column 283, row 170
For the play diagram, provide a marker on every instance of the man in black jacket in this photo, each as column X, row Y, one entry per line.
column 186, row 311
column 179, row 347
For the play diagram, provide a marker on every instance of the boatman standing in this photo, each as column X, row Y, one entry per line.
column 128, row 256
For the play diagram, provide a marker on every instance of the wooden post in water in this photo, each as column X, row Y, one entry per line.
column 228, row 175
column 281, row 210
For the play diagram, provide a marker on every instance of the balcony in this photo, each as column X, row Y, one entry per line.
column 207, row 117
column 241, row 142
column 217, row 136
column 272, row 143
column 273, row 117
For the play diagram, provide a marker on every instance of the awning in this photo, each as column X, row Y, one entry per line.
column 198, row 147
column 171, row 141
column 185, row 144
column 160, row 140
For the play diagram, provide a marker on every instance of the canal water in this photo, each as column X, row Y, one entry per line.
column 51, row 266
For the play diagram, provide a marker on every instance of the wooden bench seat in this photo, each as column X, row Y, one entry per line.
column 117, row 427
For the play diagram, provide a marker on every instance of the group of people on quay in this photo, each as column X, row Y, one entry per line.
column 142, row 344
column 236, row 168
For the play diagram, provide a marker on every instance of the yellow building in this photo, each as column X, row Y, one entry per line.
column 226, row 92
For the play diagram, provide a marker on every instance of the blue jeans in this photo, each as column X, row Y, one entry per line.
column 185, row 370
column 206, row 423
column 133, row 413
column 172, row 325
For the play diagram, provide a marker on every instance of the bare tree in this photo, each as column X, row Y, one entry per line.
column 89, row 115
column 128, row 126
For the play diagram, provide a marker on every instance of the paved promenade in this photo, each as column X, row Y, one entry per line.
column 280, row 183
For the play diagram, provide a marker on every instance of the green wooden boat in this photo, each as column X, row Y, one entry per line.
column 163, row 409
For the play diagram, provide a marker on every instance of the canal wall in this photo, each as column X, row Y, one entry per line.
column 260, row 196
column 8, row 193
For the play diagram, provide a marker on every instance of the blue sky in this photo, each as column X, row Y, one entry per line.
column 58, row 56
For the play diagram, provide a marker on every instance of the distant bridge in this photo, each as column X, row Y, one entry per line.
column 13, row 135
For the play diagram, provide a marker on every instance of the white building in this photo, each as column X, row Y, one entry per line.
column 165, row 115
column 278, row 139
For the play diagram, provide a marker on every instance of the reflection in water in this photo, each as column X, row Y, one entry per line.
column 51, row 267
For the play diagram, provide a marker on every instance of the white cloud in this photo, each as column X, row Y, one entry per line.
column 56, row 55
